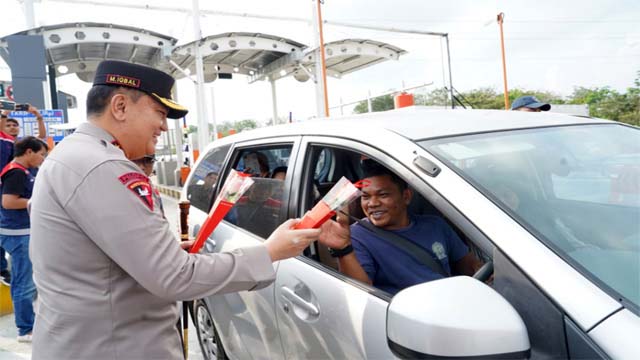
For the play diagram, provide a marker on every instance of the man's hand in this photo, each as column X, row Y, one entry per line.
column 286, row 242
column 336, row 234
column 34, row 110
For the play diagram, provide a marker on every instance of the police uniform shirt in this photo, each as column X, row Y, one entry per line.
column 107, row 267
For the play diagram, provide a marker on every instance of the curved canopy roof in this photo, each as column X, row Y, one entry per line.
column 341, row 57
column 79, row 47
column 240, row 53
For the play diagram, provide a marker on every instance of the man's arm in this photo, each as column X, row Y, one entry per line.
column 337, row 235
column 15, row 202
column 42, row 131
column 468, row 265
column 4, row 114
column 12, row 186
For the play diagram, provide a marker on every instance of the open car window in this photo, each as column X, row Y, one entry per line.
column 327, row 165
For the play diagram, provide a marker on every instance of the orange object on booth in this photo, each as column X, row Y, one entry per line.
column 403, row 100
column 50, row 143
column 184, row 173
column 196, row 154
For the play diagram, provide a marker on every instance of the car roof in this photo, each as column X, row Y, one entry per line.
column 420, row 123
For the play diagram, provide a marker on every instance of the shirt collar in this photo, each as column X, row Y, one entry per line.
column 91, row 129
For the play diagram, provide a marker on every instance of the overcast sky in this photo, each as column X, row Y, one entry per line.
column 550, row 45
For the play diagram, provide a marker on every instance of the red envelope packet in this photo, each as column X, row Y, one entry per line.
column 316, row 217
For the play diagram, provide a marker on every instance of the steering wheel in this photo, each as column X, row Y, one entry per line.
column 484, row 272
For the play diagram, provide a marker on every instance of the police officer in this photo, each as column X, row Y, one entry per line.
column 108, row 269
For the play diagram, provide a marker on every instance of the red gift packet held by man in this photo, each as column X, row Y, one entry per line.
column 234, row 187
column 342, row 193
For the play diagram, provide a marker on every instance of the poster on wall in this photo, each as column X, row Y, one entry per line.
column 29, row 124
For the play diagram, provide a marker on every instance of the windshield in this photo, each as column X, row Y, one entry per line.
column 577, row 188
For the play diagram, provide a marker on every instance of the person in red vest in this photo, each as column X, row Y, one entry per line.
column 16, row 182
column 9, row 131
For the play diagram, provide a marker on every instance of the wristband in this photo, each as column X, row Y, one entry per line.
column 338, row 253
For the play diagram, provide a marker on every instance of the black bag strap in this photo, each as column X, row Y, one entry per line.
column 415, row 251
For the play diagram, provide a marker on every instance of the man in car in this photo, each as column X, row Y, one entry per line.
column 365, row 256
column 107, row 267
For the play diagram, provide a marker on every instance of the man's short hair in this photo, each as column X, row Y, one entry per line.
column 279, row 169
column 371, row 168
column 100, row 96
column 13, row 121
column 29, row 142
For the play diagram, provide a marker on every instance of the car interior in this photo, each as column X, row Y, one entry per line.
column 331, row 164
column 261, row 209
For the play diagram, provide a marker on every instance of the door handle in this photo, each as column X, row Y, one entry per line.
column 298, row 301
column 209, row 244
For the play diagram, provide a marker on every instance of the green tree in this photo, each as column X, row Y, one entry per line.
column 238, row 126
column 609, row 104
column 435, row 97
column 224, row 127
column 380, row 103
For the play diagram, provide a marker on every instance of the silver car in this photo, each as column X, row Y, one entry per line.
column 549, row 202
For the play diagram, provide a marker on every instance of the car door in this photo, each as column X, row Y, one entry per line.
column 246, row 321
column 321, row 313
column 326, row 315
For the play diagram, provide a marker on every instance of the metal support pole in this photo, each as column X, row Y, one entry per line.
column 29, row 13
column 446, row 36
column 274, row 102
column 322, row 100
column 203, row 123
column 178, row 141
column 504, row 63
column 52, row 86
column 213, row 113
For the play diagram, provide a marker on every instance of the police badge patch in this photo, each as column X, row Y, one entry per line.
column 139, row 185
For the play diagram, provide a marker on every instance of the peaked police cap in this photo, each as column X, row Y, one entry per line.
column 155, row 83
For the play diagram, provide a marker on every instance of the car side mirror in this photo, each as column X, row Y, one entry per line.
column 457, row 317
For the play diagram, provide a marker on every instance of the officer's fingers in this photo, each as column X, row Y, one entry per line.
column 306, row 235
column 289, row 224
column 186, row 245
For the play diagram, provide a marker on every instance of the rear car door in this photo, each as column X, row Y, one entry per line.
column 245, row 321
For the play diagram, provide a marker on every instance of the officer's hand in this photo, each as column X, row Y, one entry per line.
column 286, row 242
column 187, row 244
